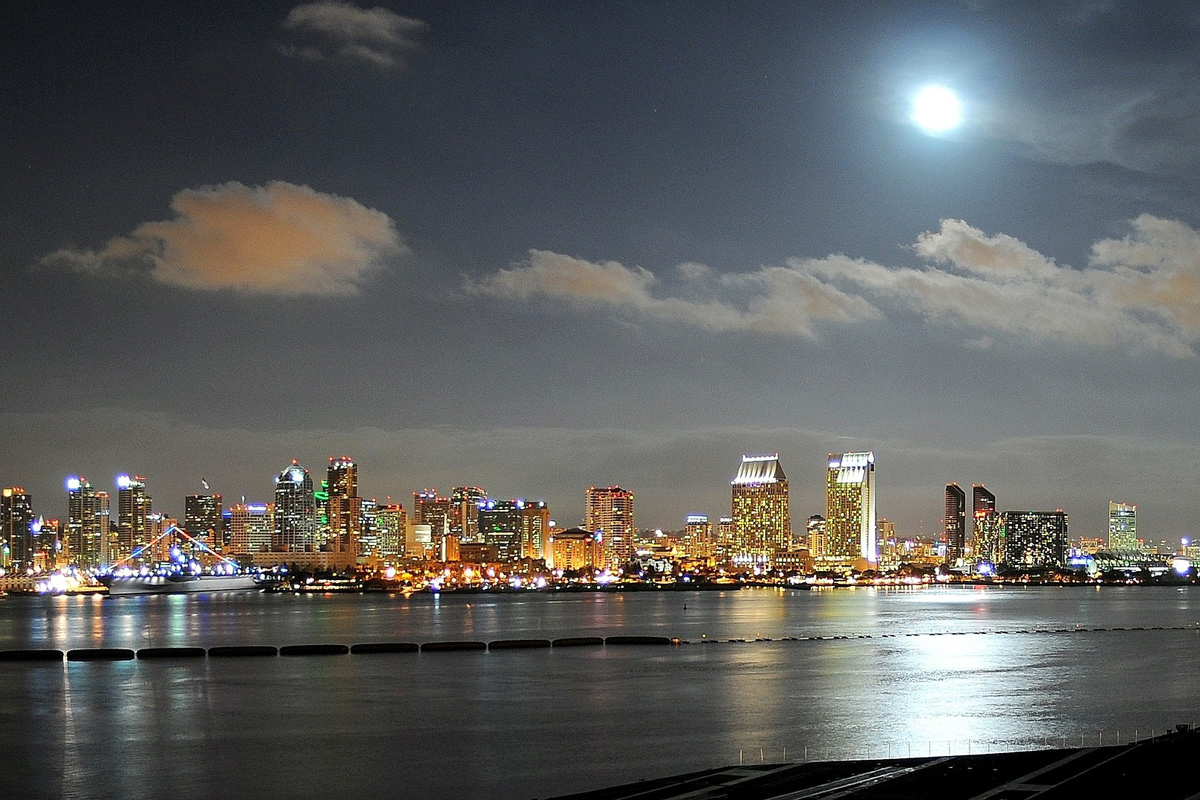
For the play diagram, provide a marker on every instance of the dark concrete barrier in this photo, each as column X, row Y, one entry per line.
column 241, row 651
column 518, row 644
column 385, row 647
column 578, row 641
column 638, row 640
column 170, row 652
column 31, row 655
column 436, row 647
column 101, row 654
column 314, row 650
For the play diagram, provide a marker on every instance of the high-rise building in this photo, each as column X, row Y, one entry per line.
column 815, row 532
column 1035, row 539
column 46, row 543
column 202, row 515
column 1122, row 526
column 251, row 528
column 698, row 536
column 955, row 523
column 87, row 523
column 987, row 546
column 850, row 530
column 344, row 512
column 134, row 508
column 609, row 513
column 535, row 529
column 500, row 527
column 762, row 521
column 434, row 511
column 16, row 538
column 465, row 502
column 391, row 525
column 981, row 500
column 295, row 510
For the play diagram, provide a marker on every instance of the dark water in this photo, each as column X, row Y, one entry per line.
column 542, row 722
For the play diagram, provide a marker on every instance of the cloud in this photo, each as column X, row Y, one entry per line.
column 781, row 300
column 1141, row 292
column 341, row 30
column 279, row 239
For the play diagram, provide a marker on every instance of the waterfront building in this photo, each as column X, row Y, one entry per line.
column 251, row 528
column 724, row 539
column 698, row 537
column 1035, row 539
column 134, row 508
column 889, row 554
column 815, row 531
column 981, row 500
column 45, row 538
column 1122, row 526
column 762, row 519
column 610, row 514
column 295, row 510
column 202, row 515
column 954, row 523
column 391, row 525
column 464, row 512
column 500, row 527
column 987, row 547
column 1092, row 544
column 343, row 507
column 535, row 530
column 87, row 523
column 575, row 549
column 16, row 538
column 435, row 511
column 850, row 529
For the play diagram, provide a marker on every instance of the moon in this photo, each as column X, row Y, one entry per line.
column 937, row 109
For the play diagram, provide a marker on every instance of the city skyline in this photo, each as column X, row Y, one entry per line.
column 573, row 246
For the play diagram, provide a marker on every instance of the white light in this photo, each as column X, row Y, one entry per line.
column 937, row 109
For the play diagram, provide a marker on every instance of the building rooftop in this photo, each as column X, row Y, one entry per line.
column 759, row 469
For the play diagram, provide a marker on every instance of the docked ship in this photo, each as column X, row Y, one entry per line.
column 178, row 583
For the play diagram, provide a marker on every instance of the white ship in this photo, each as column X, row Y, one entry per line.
column 181, row 583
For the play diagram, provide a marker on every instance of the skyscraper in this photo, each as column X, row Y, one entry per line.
column 981, row 500
column 698, row 536
column 1035, row 539
column 344, row 509
column 202, row 518
column 535, row 530
column 762, row 520
column 955, row 522
column 87, row 518
column 987, row 542
column 464, row 512
column 500, row 527
column 295, row 510
column 850, row 509
column 16, row 517
column 1122, row 526
column 391, row 526
column 134, row 508
column 251, row 528
column 434, row 511
column 609, row 512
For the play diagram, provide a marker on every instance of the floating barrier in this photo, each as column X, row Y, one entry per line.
column 578, row 641
column 242, row 651
column 314, row 650
column 438, row 647
column 637, row 640
column 518, row 644
column 101, row 654
column 31, row 655
column 170, row 652
column 385, row 647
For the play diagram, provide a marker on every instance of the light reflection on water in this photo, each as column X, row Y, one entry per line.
column 541, row 722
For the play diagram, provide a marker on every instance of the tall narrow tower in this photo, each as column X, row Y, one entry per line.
column 344, row 509
column 850, row 509
column 955, row 522
column 84, row 521
column 610, row 514
column 762, row 519
column 295, row 510
column 134, row 507
column 1122, row 526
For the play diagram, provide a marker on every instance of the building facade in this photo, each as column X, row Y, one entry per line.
column 343, row 509
column 954, row 523
column 202, row 514
column 295, row 511
column 610, row 515
column 16, row 536
column 134, row 507
column 761, row 511
column 1035, row 539
column 850, row 530
column 87, row 523
column 1122, row 526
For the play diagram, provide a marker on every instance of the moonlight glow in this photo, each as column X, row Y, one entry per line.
column 937, row 109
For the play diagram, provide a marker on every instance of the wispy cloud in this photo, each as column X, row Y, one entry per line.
column 279, row 239
column 341, row 30
column 1141, row 292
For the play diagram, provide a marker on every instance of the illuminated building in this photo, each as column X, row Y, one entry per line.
column 464, row 512
column 434, row 511
column 1122, row 527
column 609, row 513
column 134, row 508
column 202, row 518
column 500, row 527
column 1092, row 545
column 889, row 554
column 575, row 549
column 46, row 543
column 16, row 517
column 981, row 500
column 815, row 531
column 391, row 524
column 850, row 509
column 295, row 511
column 698, row 536
column 762, row 522
column 724, row 537
column 343, row 510
column 1035, row 539
column 87, row 523
column 251, row 528
column 988, row 544
column 955, row 522
column 535, row 530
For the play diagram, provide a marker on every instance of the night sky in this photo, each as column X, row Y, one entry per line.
column 536, row 247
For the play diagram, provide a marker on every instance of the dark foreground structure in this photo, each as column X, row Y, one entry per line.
column 1160, row 768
